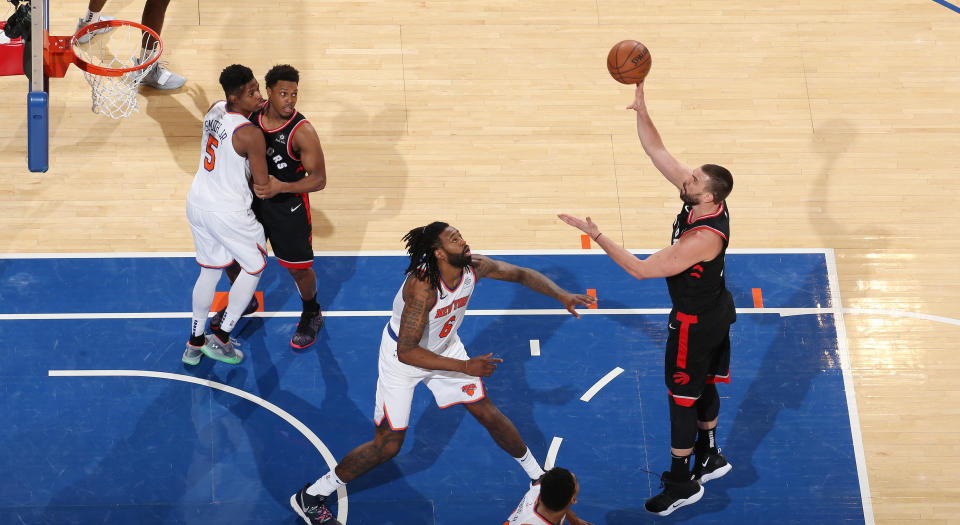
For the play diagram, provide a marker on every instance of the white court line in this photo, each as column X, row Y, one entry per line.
column 551, row 458
column 387, row 313
column 379, row 253
column 294, row 422
column 843, row 349
column 586, row 397
column 535, row 347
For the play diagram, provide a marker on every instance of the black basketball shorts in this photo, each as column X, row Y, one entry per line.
column 698, row 353
column 286, row 223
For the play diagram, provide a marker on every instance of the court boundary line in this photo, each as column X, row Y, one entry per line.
column 948, row 5
column 283, row 414
column 846, row 370
column 385, row 253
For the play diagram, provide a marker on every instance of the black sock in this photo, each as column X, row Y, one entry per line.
column 311, row 305
column 680, row 465
column 224, row 337
column 707, row 440
column 197, row 340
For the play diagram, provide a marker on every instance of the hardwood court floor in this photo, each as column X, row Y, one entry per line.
column 838, row 119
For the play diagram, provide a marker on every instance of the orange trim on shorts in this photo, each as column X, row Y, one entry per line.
column 390, row 424
column 482, row 396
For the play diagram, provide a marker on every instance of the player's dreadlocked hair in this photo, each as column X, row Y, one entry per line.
column 421, row 242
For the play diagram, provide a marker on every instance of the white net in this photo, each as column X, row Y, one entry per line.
column 117, row 47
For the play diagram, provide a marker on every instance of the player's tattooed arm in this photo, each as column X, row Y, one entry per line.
column 532, row 279
column 419, row 298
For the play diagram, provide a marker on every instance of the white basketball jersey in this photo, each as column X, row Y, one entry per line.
column 222, row 180
column 446, row 315
column 526, row 512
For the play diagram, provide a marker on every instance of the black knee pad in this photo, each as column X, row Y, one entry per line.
column 708, row 406
column 683, row 426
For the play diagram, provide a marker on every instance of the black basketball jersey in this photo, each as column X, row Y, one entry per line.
column 700, row 287
column 282, row 161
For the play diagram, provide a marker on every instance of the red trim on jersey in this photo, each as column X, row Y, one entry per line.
column 685, row 321
column 714, row 214
column 260, row 121
column 290, row 140
column 683, row 401
column 306, row 204
column 714, row 230
column 483, row 389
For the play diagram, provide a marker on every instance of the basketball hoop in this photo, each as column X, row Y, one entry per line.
column 115, row 58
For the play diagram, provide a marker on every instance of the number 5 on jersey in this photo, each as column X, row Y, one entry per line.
column 210, row 155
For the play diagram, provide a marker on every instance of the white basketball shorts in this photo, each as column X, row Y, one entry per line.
column 223, row 237
column 397, row 381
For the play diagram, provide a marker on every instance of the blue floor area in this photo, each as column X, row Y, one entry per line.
column 149, row 450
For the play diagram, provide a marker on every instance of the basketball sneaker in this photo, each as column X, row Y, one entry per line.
column 217, row 318
column 310, row 323
column 87, row 36
column 678, row 491
column 159, row 77
column 191, row 355
column 312, row 509
column 225, row 352
column 710, row 465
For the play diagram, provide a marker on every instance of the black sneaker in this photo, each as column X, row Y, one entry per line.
column 218, row 317
column 312, row 509
column 678, row 491
column 710, row 466
column 307, row 328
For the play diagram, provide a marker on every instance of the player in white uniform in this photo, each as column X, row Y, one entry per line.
column 420, row 343
column 218, row 208
column 548, row 501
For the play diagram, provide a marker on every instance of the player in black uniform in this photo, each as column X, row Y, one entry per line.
column 296, row 166
column 698, row 344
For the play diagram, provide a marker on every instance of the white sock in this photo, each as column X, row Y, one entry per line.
column 325, row 485
column 91, row 17
column 530, row 465
column 241, row 292
column 203, row 293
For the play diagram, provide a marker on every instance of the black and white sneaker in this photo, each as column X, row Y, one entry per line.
column 217, row 318
column 678, row 491
column 710, row 466
column 312, row 509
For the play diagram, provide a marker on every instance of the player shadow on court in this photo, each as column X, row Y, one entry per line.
column 507, row 387
column 152, row 467
column 181, row 126
column 783, row 380
column 284, row 459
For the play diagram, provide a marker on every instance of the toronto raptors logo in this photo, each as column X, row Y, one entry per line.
column 681, row 378
column 470, row 389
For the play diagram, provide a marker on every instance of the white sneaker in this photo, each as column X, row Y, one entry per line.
column 160, row 77
column 87, row 36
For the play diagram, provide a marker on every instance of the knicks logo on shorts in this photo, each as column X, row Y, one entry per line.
column 470, row 389
column 681, row 378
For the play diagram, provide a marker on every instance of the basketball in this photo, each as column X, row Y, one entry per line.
column 629, row 62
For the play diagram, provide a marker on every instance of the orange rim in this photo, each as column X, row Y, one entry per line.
column 110, row 71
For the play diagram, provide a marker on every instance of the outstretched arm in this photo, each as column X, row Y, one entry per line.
column 694, row 247
column 532, row 279
column 668, row 165
column 418, row 299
